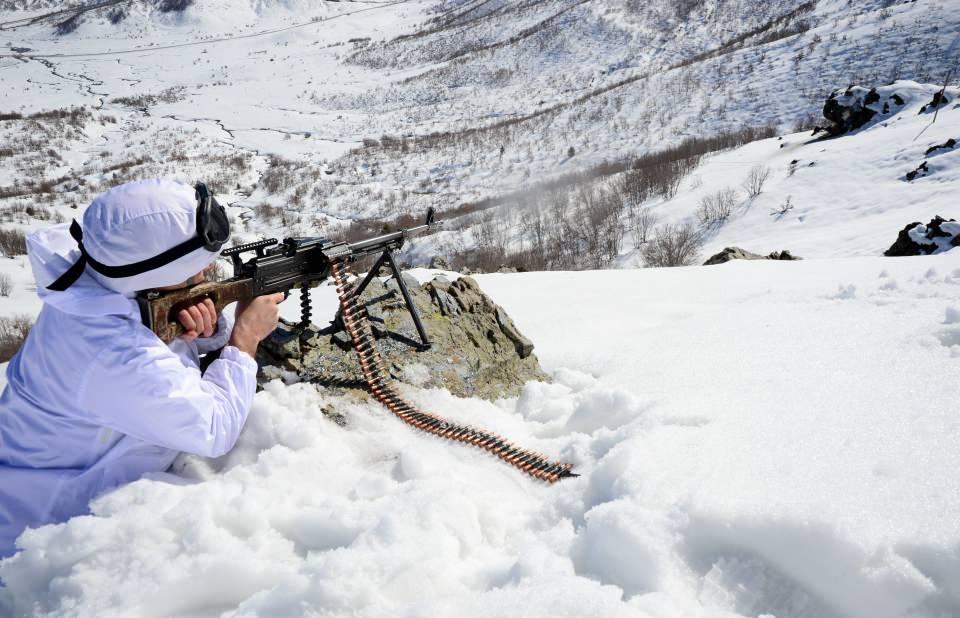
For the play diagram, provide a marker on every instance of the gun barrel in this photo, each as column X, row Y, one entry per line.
column 393, row 239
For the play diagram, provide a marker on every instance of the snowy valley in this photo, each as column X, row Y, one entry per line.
column 755, row 438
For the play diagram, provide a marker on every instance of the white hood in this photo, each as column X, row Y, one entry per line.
column 125, row 225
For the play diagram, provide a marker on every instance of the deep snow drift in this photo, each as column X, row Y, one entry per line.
column 754, row 438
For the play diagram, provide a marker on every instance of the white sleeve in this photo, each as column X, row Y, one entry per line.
column 144, row 390
column 218, row 339
column 187, row 351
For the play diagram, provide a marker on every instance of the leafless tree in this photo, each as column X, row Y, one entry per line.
column 13, row 332
column 6, row 284
column 757, row 177
column 640, row 222
column 716, row 208
column 674, row 245
column 13, row 242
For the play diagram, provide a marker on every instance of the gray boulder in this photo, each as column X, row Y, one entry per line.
column 439, row 263
column 477, row 350
column 736, row 253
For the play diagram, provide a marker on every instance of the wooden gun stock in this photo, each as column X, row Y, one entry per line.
column 159, row 309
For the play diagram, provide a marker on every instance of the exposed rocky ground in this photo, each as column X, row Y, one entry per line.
column 848, row 110
column 476, row 350
column 918, row 239
column 736, row 253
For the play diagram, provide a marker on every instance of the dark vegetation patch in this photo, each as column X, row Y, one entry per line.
column 68, row 25
column 170, row 6
column 13, row 332
column 140, row 101
column 12, row 242
column 649, row 175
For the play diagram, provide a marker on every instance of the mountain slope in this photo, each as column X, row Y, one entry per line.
column 603, row 85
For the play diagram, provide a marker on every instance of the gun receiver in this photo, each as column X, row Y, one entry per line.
column 280, row 267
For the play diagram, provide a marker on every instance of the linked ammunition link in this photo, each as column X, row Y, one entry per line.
column 381, row 385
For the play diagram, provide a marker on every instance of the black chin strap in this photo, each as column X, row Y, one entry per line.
column 115, row 272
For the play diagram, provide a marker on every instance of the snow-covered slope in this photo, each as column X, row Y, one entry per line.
column 849, row 195
column 753, row 438
column 617, row 80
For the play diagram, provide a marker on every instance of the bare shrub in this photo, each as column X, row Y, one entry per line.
column 170, row 95
column 13, row 242
column 783, row 209
column 6, row 284
column 810, row 122
column 266, row 212
column 674, row 245
column 13, row 332
column 279, row 176
column 74, row 116
column 757, row 177
column 715, row 209
column 26, row 212
column 599, row 230
column 640, row 223
column 655, row 174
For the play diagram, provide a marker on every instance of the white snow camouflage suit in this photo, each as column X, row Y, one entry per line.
column 94, row 399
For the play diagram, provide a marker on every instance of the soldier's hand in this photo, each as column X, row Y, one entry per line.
column 199, row 320
column 255, row 319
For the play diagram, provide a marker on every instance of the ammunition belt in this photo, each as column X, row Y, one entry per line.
column 378, row 379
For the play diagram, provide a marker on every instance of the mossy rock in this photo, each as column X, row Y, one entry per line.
column 476, row 349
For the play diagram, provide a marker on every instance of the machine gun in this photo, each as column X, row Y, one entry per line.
column 280, row 267
column 305, row 262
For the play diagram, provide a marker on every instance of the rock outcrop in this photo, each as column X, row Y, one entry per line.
column 476, row 351
column 950, row 144
column 939, row 99
column 917, row 239
column 736, row 253
column 439, row 262
column 921, row 172
column 848, row 110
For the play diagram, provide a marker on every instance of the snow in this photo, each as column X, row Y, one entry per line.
column 850, row 195
column 753, row 439
column 749, row 443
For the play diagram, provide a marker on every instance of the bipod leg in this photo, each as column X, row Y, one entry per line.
column 388, row 258
column 373, row 272
column 338, row 319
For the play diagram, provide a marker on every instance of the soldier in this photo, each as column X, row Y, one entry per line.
column 94, row 399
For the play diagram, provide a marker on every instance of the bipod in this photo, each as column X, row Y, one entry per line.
column 386, row 259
